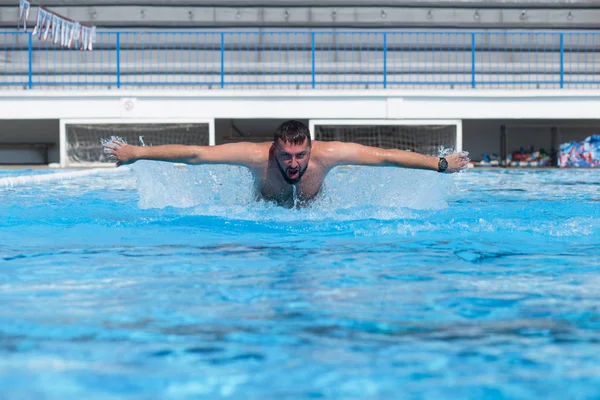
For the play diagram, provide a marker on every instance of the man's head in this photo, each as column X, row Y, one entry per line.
column 292, row 150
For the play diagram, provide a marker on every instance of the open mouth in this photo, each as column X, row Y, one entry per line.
column 293, row 173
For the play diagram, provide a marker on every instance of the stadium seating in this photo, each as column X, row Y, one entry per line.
column 239, row 43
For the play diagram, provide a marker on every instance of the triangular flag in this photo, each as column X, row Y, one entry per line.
column 83, row 37
column 21, row 10
column 26, row 19
column 56, row 26
column 24, row 7
column 39, row 23
column 48, row 25
column 92, row 38
column 75, row 33
column 64, row 33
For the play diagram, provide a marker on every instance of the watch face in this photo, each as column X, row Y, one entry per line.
column 443, row 164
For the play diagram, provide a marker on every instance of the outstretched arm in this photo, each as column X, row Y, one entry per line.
column 245, row 154
column 339, row 153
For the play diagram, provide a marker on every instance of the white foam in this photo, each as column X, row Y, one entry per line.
column 348, row 193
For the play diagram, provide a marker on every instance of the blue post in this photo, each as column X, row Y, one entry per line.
column 384, row 60
column 30, row 52
column 118, row 60
column 562, row 60
column 313, row 59
column 473, row 60
column 222, row 60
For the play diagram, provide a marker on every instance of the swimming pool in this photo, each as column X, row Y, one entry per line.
column 166, row 282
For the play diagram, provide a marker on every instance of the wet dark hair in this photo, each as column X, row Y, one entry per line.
column 292, row 131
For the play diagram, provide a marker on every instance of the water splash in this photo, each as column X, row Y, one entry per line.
column 360, row 192
column 371, row 202
column 295, row 196
column 105, row 141
column 347, row 193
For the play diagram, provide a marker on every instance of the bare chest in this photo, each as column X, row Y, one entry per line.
column 272, row 187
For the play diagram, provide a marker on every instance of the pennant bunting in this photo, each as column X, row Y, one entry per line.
column 56, row 28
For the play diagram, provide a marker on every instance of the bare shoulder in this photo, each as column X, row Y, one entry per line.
column 261, row 149
column 330, row 153
column 242, row 153
column 326, row 149
column 256, row 153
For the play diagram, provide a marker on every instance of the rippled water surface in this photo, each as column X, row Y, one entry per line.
column 170, row 282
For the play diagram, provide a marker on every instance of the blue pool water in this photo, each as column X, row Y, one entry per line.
column 166, row 282
column 11, row 173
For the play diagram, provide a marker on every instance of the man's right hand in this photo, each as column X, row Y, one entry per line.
column 242, row 153
column 123, row 153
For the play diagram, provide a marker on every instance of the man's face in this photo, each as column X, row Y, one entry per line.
column 292, row 159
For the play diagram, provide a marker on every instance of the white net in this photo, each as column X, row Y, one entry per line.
column 425, row 139
column 84, row 140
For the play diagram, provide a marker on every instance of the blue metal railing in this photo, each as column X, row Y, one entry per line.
column 307, row 60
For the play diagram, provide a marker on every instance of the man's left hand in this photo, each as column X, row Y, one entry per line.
column 457, row 162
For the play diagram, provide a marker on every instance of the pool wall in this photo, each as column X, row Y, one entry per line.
column 41, row 116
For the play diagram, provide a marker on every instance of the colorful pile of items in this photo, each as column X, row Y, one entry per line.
column 489, row 160
column 581, row 154
column 529, row 159
column 521, row 158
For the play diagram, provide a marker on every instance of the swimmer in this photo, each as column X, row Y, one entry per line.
column 289, row 166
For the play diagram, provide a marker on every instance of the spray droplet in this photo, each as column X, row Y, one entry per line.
column 295, row 195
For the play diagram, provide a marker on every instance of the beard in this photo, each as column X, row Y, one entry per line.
column 286, row 177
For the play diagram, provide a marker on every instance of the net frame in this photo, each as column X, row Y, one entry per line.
column 63, row 139
column 387, row 122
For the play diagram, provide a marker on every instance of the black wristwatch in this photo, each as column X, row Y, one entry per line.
column 442, row 165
